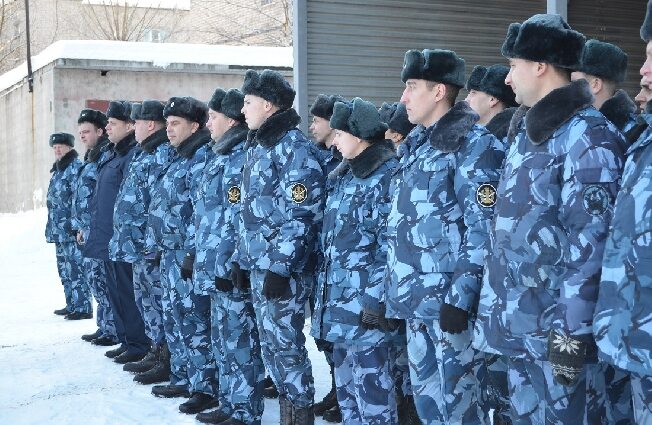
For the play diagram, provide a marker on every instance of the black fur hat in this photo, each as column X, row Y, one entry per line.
column 544, row 38
column 359, row 118
column 120, row 110
column 395, row 116
column 188, row 108
column 62, row 139
column 149, row 110
column 604, row 60
column 473, row 83
column 228, row 103
column 97, row 118
column 493, row 83
column 646, row 28
column 323, row 105
column 441, row 66
column 271, row 86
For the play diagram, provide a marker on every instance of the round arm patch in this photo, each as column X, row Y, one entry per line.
column 486, row 195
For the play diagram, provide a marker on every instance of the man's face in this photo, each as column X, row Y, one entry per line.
column 348, row 145
column 142, row 130
column 480, row 102
column 321, row 130
column 218, row 124
column 60, row 150
column 644, row 95
column 522, row 79
column 179, row 129
column 420, row 101
column 117, row 130
column 646, row 69
column 255, row 110
column 89, row 134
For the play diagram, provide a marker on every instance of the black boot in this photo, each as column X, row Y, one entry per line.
column 303, row 415
column 407, row 411
column 215, row 417
column 333, row 415
column 285, row 412
column 116, row 352
column 197, row 403
column 269, row 388
column 62, row 311
column 90, row 337
column 128, row 357
column 146, row 363
column 161, row 370
column 78, row 315
column 104, row 341
column 329, row 401
column 232, row 421
column 170, row 391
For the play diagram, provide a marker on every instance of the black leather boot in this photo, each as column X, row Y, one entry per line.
column 198, row 402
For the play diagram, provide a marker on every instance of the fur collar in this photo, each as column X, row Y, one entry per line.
column 618, row 109
column 635, row 132
column 94, row 153
column 499, row 124
column 188, row 147
column 274, row 128
column 124, row 146
column 557, row 107
column 514, row 124
column 371, row 158
column 448, row 134
column 154, row 140
column 340, row 170
column 230, row 139
column 65, row 161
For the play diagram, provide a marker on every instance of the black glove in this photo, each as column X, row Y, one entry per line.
column 157, row 259
column 566, row 356
column 224, row 285
column 323, row 345
column 240, row 277
column 275, row 286
column 187, row 265
column 452, row 319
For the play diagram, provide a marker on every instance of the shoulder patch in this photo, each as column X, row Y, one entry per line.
column 595, row 199
column 234, row 194
column 486, row 195
column 299, row 193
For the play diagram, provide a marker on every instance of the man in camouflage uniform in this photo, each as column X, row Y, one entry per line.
column 553, row 207
column 59, row 230
column 622, row 316
column 282, row 209
column 443, row 194
column 129, row 227
column 186, row 305
column 236, row 345
column 396, row 118
column 90, row 127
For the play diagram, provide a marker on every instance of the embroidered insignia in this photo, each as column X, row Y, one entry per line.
column 172, row 105
column 299, row 193
column 486, row 195
column 234, row 194
column 595, row 199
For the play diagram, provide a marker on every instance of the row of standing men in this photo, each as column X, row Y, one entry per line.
column 497, row 262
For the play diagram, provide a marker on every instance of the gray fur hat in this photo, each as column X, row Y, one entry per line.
column 188, row 108
column 149, row 110
column 120, row 110
column 97, row 118
column 271, row 86
column 396, row 118
column 228, row 103
column 62, row 139
column 359, row 118
column 604, row 60
column 473, row 83
column 492, row 81
column 323, row 105
column 441, row 66
column 646, row 28
column 544, row 38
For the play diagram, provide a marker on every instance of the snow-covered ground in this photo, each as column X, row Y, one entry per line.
column 48, row 375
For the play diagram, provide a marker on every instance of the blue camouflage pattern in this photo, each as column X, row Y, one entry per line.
column 148, row 294
column 59, row 199
column 642, row 398
column 85, row 187
column 95, row 272
column 70, row 266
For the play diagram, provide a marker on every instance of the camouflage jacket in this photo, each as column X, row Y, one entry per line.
column 354, row 246
column 621, row 111
column 60, row 198
column 622, row 316
column 217, row 208
column 171, row 207
column 437, row 231
column 554, row 205
column 282, row 199
column 81, row 215
column 130, row 214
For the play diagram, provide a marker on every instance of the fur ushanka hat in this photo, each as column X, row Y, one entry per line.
column 358, row 118
column 604, row 60
column 228, row 103
column 97, row 118
column 62, row 139
column 149, row 110
column 323, row 105
column 441, row 66
column 396, row 118
column 646, row 28
column 188, row 108
column 492, row 81
column 120, row 110
column 271, row 86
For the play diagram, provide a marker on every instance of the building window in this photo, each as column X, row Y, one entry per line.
column 155, row 35
column 155, row 4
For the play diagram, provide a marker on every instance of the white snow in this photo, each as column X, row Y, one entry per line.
column 48, row 375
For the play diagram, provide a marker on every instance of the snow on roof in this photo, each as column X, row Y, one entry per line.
column 158, row 54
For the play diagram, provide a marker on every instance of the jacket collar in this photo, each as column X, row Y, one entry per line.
column 618, row 109
column 94, row 153
column 154, row 140
column 124, row 146
column 65, row 161
column 371, row 158
column 449, row 133
column 499, row 124
column 230, row 139
column 199, row 138
column 274, row 128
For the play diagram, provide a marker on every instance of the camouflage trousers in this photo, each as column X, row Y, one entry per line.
column 642, row 398
column 280, row 324
column 70, row 265
column 609, row 396
column 447, row 375
column 401, row 367
column 237, row 353
column 95, row 271
column 497, row 392
column 537, row 399
column 190, row 313
column 365, row 387
column 148, row 293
